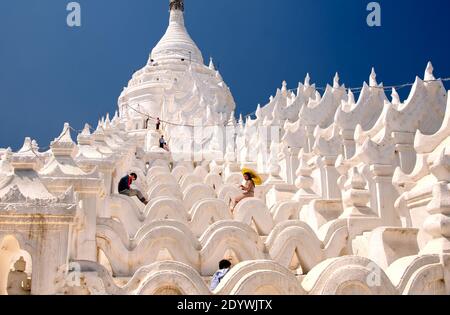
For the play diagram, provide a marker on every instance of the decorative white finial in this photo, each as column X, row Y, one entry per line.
column 65, row 135
column 373, row 78
column 211, row 64
column 429, row 76
column 318, row 97
column 115, row 118
column 284, row 86
column 99, row 125
column 336, row 81
column 27, row 146
column 395, row 97
column 351, row 97
column 307, row 80
column 107, row 124
column 86, row 130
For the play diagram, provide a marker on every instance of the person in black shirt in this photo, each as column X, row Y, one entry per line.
column 125, row 189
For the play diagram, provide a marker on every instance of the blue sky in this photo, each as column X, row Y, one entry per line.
column 50, row 73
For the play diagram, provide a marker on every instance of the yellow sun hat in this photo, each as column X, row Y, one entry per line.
column 255, row 177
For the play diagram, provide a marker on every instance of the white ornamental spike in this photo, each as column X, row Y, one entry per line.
column 86, row 130
column 65, row 137
column 429, row 76
column 395, row 97
column 27, row 146
column 336, row 84
column 307, row 80
column 211, row 64
column 351, row 97
column 318, row 96
column 373, row 78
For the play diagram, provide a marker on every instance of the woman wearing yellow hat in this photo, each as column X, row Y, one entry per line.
column 251, row 180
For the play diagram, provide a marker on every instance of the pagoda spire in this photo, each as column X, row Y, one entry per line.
column 176, row 5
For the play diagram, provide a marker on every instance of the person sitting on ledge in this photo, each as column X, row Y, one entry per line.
column 224, row 268
column 163, row 144
column 125, row 189
column 252, row 179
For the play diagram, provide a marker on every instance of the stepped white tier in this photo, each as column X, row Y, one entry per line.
column 354, row 200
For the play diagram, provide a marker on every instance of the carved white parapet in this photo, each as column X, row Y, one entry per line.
column 438, row 223
column 321, row 111
column 428, row 143
column 398, row 123
column 364, row 113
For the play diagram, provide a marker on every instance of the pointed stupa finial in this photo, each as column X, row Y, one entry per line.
column 211, row 64
column 307, row 80
column 27, row 146
column 373, row 78
column 336, row 79
column 107, row 124
column 86, row 130
column 65, row 136
column 284, row 86
column 395, row 97
column 176, row 5
column 99, row 125
column 26, row 158
column 351, row 97
column 429, row 76
column 115, row 119
column 63, row 145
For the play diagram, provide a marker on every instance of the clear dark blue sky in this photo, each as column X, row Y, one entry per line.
column 50, row 73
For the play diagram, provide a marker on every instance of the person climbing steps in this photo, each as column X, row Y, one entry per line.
column 126, row 190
